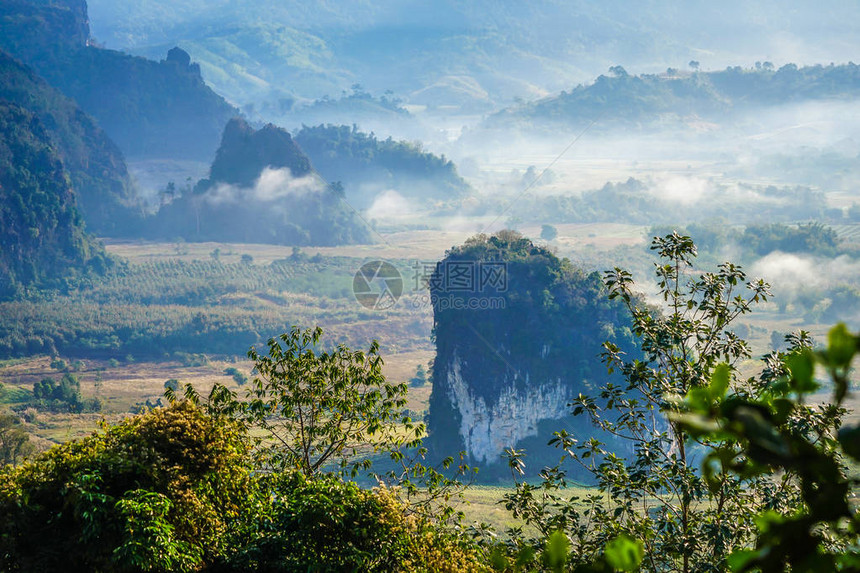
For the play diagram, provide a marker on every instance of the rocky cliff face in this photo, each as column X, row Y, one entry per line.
column 245, row 152
column 511, row 356
column 488, row 428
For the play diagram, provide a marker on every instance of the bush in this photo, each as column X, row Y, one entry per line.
column 175, row 489
column 156, row 492
column 326, row 524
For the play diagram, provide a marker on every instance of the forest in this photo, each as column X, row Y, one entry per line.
column 407, row 286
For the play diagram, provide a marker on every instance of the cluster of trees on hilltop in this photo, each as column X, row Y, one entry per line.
column 343, row 153
column 643, row 202
column 353, row 106
column 622, row 97
column 761, row 239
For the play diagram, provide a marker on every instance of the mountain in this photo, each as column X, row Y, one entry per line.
column 245, row 152
column 41, row 230
column 95, row 166
column 149, row 108
column 472, row 55
column 369, row 166
column 518, row 335
column 652, row 99
column 261, row 189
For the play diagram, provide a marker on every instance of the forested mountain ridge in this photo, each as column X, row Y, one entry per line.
column 41, row 230
column 479, row 53
column 621, row 98
column 105, row 193
column 149, row 108
column 369, row 165
column 261, row 189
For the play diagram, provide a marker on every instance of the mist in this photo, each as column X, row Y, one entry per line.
column 273, row 186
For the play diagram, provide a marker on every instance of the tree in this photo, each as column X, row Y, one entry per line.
column 694, row 65
column 420, row 378
column 646, row 460
column 769, row 432
column 548, row 232
column 328, row 412
column 14, row 440
column 155, row 492
column 320, row 408
column 238, row 377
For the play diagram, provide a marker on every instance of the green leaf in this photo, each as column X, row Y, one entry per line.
column 739, row 560
column 699, row 399
column 625, row 553
column 498, row 560
column 802, row 368
column 524, row 557
column 557, row 548
column 768, row 518
column 720, row 381
column 841, row 346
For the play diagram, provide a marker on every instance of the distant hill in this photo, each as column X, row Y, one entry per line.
column 261, row 189
column 149, row 108
column 472, row 55
column 41, row 230
column 94, row 164
column 368, row 166
column 622, row 98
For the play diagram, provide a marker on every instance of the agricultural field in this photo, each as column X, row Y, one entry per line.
column 190, row 311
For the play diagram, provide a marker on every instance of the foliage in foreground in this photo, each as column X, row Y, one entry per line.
column 769, row 466
column 174, row 490
column 757, row 434
column 185, row 488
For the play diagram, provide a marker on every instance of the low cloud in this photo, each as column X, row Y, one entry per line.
column 389, row 204
column 790, row 273
column 272, row 186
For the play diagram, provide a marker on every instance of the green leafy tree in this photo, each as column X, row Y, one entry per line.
column 14, row 440
column 320, row 407
column 420, row 378
column 643, row 459
column 769, row 432
column 318, row 412
column 156, row 492
column 548, row 232
column 238, row 376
